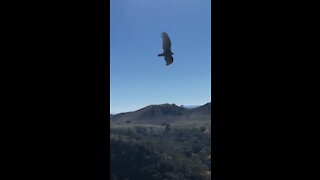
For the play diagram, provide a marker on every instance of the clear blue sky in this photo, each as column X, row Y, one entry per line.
column 140, row 78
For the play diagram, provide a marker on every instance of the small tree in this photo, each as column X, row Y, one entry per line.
column 141, row 130
column 203, row 129
column 151, row 130
column 167, row 127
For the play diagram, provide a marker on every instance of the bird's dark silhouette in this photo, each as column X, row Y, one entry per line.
column 166, row 45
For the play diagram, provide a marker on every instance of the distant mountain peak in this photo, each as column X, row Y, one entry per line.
column 160, row 110
column 206, row 109
column 165, row 112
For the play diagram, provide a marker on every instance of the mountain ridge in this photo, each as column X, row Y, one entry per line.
column 165, row 112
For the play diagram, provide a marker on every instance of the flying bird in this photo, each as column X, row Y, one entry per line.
column 166, row 45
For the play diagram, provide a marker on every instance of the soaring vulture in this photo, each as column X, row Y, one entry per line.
column 166, row 45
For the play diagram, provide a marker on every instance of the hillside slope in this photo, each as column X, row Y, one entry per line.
column 164, row 113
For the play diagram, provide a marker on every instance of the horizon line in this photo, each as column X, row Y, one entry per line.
column 115, row 113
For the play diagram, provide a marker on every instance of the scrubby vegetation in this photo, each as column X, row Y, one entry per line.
column 143, row 153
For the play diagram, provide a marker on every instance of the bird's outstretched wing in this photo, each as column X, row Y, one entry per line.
column 169, row 59
column 166, row 42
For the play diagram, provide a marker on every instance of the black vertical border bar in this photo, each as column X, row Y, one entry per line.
column 104, row 90
column 217, row 85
